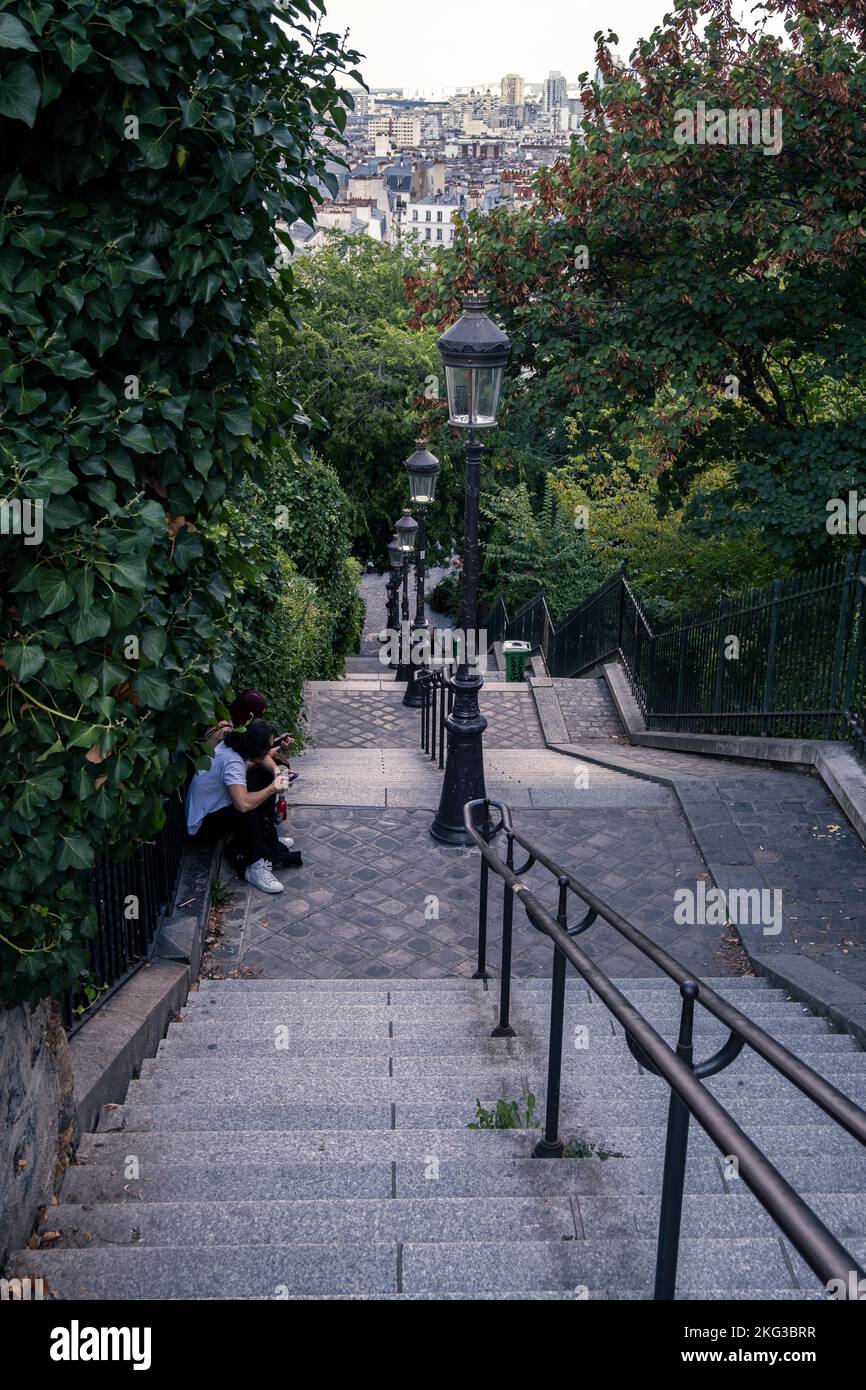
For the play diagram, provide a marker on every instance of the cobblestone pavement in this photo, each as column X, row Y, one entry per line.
column 588, row 710
column 377, row 718
column 378, row 897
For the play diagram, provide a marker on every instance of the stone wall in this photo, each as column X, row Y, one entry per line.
column 37, row 1113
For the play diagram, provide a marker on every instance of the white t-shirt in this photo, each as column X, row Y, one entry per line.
column 208, row 791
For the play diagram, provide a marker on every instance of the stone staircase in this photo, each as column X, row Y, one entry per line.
column 298, row 1139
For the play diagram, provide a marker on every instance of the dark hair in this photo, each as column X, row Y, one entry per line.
column 248, row 705
column 254, row 741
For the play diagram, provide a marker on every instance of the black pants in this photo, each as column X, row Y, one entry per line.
column 253, row 831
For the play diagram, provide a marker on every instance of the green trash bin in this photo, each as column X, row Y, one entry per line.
column 516, row 656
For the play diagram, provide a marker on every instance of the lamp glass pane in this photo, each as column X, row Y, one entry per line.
column 407, row 539
column 422, row 487
column 473, row 396
column 459, row 382
column 487, row 383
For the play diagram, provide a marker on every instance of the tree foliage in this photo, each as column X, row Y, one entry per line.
column 147, row 151
column 701, row 304
column 541, row 550
column 368, row 382
column 295, row 612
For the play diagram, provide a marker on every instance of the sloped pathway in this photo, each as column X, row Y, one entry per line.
column 756, row 826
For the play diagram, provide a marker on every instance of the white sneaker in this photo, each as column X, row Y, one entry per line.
column 283, row 836
column 261, row 877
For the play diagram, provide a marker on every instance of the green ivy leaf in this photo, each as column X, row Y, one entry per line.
column 13, row 34
column 238, row 421
column 54, row 591
column 73, row 50
column 87, row 623
column 23, row 659
column 74, row 852
column 153, row 644
column 140, row 440
column 153, row 689
column 129, row 67
column 20, row 93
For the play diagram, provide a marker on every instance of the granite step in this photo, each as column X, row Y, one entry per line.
column 311, row 1220
column 346, row 1221
column 276, row 1271
column 720, row 983
column 341, row 1166
column 581, row 1112
column 835, row 1187
column 179, row 1043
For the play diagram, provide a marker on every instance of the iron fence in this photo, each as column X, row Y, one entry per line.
column 132, row 897
column 787, row 660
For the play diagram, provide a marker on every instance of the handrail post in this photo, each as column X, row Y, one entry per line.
column 676, row 1151
column 481, row 972
column 446, row 704
column 550, row 1145
column 503, row 1028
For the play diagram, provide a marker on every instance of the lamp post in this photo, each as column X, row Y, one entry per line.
column 407, row 530
column 423, row 469
column 395, row 559
column 474, row 353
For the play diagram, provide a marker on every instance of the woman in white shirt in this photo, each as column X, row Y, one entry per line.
column 236, row 797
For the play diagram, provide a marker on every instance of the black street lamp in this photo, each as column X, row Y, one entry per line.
column 395, row 560
column 474, row 353
column 407, row 530
column 423, row 469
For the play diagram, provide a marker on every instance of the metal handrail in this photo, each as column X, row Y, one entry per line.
column 437, row 700
column 821, row 1250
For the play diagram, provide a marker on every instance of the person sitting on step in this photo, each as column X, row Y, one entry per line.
column 236, row 797
column 245, row 707
column 251, row 705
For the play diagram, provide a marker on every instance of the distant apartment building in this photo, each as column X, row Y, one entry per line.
column 512, row 90
column 473, row 147
column 402, row 131
column 406, row 131
column 555, row 94
column 363, row 101
column 430, row 222
column 378, row 125
column 353, row 215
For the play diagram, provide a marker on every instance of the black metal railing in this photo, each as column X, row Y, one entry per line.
column 132, row 897
column 787, row 660
column 437, row 701
column 821, row 1250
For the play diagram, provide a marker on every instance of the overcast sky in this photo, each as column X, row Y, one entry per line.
column 453, row 42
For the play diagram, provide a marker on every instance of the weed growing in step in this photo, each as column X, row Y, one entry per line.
column 220, row 896
column 580, row 1148
column 506, row 1115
